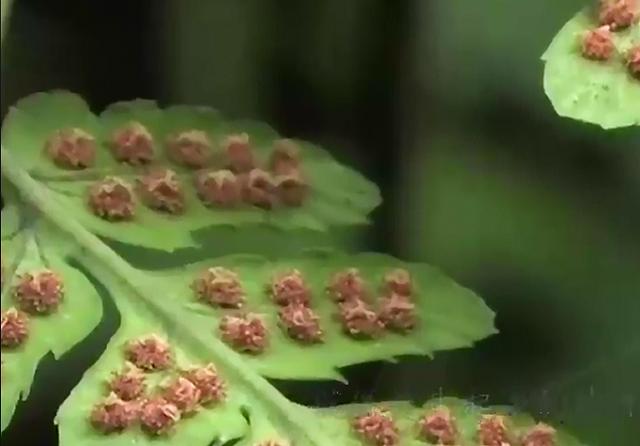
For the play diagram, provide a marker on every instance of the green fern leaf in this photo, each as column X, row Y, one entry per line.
column 601, row 93
column 450, row 316
column 80, row 312
column 338, row 196
column 164, row 304
column 467, row 416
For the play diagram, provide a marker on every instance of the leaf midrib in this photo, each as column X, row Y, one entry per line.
column 39, row 197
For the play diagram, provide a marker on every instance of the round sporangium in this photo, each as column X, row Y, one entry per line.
column 132, row 144
column 598, row 44
column 112, row 199
column 114, row 414
column 493, row 431
column 39, row 292
column 72, row 148
column 161, row 189
column 439, row 427
column 219, row 188
column 377, row 428
column 190, row 148
column 184, row 394
column 14, row 329
column 398, row 281
column 301, row 323
column 633, row 61
column 285, row 158
column 211, row 386
column 619, row 14
column 220, row 286
column 149, row 353
column 245, row 333
column 128, row 384
column 397, row 313
column 539, row 435
column 238, row 151
column 359, row 320
column 158, row 416
column 347, row 285
column 259, row 189
column 292, row 189
column 289, row 287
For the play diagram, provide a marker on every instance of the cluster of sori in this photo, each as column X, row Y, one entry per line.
column 179, row 393
column 359, row 316
column 438, row 426
column 36, row 294
column 227, row 178
column 599, row 44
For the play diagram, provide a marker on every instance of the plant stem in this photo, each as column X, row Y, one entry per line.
column 5, row 12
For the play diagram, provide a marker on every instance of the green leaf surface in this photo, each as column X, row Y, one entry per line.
column 77, row 316
column 221, row 423
column 450, row 316
column 337, row 421
column 601, row 93
column 161, row 302
column 339, row 195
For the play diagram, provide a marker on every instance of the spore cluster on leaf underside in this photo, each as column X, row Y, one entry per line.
column 332, row 310
column 600, row 44
column 35, row 294
column 225, row 179
column 360, row 315
column 178, row 393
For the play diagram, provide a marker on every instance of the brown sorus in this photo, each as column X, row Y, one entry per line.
column 377, row 428
column 184, row 394
column 39, row 292
column 398, row 313
column 359, row 320
column 14, row 329
column 238, row 152
column 598, row 44
column 161, row 189
column 633, row 61
column 291, row 188
column 221, row 287
column 301, row 323
column 211, row 386
column 191, row 148
column 114, row 415
column 245, row 333
column 72, row 148
column 398, row 281
column 259, row 189
column 132, row 144
column 149, row 353
column 112, row 199
column 128, row 384
column 219, row 188
column 285, row 157
column 289, row 287
column 439, row 426
column 619, row 14
column 158, row 416
column 347, row 285
column 493, row 431
column 539, row 435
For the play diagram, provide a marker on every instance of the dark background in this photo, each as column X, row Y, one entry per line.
column 441, row 104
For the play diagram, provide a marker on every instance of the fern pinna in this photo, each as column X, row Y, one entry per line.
column 197, row 343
